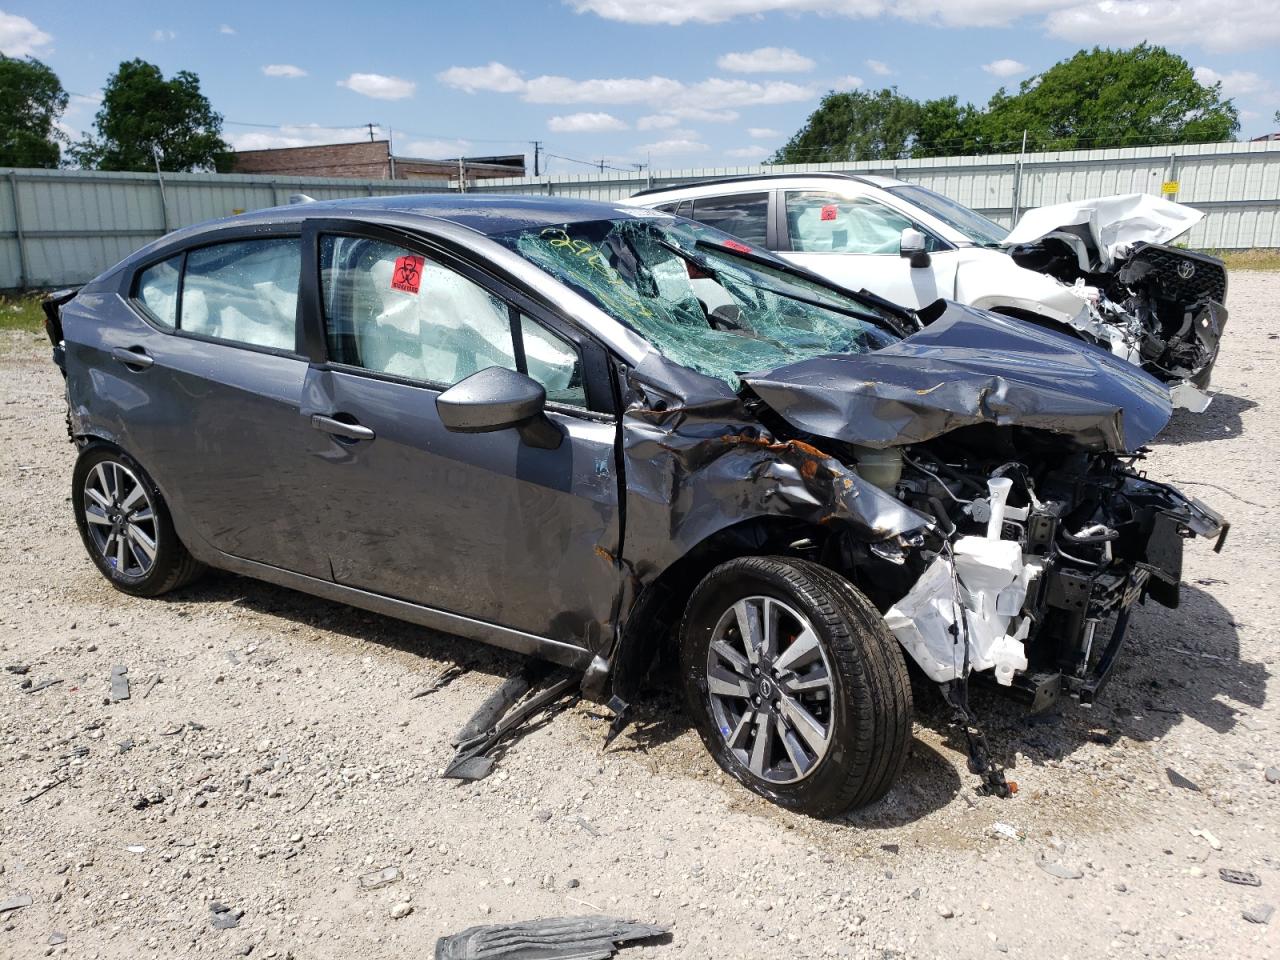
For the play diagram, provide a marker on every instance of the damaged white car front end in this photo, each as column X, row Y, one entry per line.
column 1154, row 305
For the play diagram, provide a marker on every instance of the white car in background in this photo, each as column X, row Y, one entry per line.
column 1098, row 269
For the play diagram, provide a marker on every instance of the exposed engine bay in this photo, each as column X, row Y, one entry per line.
column 1155, row 305
column 1038, row 554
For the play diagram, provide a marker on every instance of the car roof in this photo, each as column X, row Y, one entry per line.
column 874, row 180
column 487, row 214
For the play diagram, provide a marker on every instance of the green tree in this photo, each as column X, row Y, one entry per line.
column 31, row 101
column 144, row 115
column 1097, row 98
column 854, row 125
column 1111, row 98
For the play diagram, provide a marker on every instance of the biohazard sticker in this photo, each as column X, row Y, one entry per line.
column 407, row 275
column 828, row 212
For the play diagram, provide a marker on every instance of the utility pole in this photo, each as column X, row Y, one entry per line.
column 391, row 154
column 371, row 126
column 537, row 149
column 462, row 176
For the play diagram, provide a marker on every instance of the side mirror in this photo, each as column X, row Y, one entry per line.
column 912, row 245
column 496, row 398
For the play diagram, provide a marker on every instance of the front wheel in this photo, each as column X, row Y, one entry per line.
column 795, row 684
column 125, row 525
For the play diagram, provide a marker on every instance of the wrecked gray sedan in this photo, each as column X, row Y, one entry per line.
column 584, row 432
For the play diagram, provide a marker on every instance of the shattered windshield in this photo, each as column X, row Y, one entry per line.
column 699, row 296
column 979, row 229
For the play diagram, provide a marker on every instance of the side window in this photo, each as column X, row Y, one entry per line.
column 245, row 291
column 553, row 362
column 157, row 290
column 745, row 215
column 393, row 311
column 825, row 223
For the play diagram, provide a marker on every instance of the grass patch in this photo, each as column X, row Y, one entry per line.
column 21, row 313
column 1249, row 259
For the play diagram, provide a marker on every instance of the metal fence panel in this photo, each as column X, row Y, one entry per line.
column 75, row 224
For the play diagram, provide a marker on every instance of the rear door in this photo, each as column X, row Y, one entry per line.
column 481, row 525
column 203, row 383
column 855, row 241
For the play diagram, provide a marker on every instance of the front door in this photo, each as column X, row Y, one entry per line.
column 855, row 242
column 481, row 525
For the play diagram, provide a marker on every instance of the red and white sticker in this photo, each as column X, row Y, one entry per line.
column 735, row 245
column 829, row 212
column 407, row 275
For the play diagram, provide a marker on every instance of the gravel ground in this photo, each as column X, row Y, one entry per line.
column 270, row 755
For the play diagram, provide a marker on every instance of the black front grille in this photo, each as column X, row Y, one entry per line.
column 1167, row 265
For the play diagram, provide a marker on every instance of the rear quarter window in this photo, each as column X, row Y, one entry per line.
column 156, row 289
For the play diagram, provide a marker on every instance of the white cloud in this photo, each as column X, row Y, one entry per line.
column 617, row 90
column 295, row 135
column 847, row 82
column 1237, row 83
column 673, row 146
column 762, row 133
column 657, row 121
column 493, row 76
column 1216, row 25
column 433, row 149
column 585, row 123
column 283, row 70
column 19, row 37
column 706, row 100
column 227, row 29
column 766, row 60
column 1005, row 67
column 747, row 153
column 161, row 36
column 879, row 68
column 703, row 114
column 379, row 87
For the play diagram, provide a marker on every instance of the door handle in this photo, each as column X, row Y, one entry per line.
column 339, row 428
column 133, row 357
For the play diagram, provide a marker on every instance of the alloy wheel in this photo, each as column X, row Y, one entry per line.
column 121, row 518
column 770, row 688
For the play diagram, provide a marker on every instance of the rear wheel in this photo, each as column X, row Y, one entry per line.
column 795, row 684
column 126, row 526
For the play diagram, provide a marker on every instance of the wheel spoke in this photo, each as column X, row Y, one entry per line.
column 96, row 514
column 737, row 740
column 816, row 679
column 803, row 649
column 140, row 539
column 121, row 544
column 795, row 751
column 98, row 498
column 136, row 494
column 804, row 723
column 750, row 628
column 737, row 662
column 760, row 749
column 722, row 683
column 145, row 515
column 103, row 483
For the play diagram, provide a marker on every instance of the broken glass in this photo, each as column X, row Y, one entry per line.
column 685, row 290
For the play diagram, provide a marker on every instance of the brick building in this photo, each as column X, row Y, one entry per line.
column 370, row 160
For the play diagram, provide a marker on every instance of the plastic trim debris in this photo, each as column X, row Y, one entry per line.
column 556, row 938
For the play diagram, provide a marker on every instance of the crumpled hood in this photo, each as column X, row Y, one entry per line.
column 1102, row 230
column 969, row 367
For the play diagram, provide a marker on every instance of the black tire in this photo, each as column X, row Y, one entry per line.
column 172, row 565
column 869, row 721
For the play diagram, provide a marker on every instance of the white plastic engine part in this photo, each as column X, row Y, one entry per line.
column 988, row 581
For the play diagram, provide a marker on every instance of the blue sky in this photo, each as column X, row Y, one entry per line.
column 670, row 82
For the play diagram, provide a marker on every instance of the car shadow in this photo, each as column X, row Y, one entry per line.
column 1177, row 665
column 305, row 610
column 1221, row 421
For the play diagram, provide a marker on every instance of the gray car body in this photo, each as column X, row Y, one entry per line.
column 547, row 552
